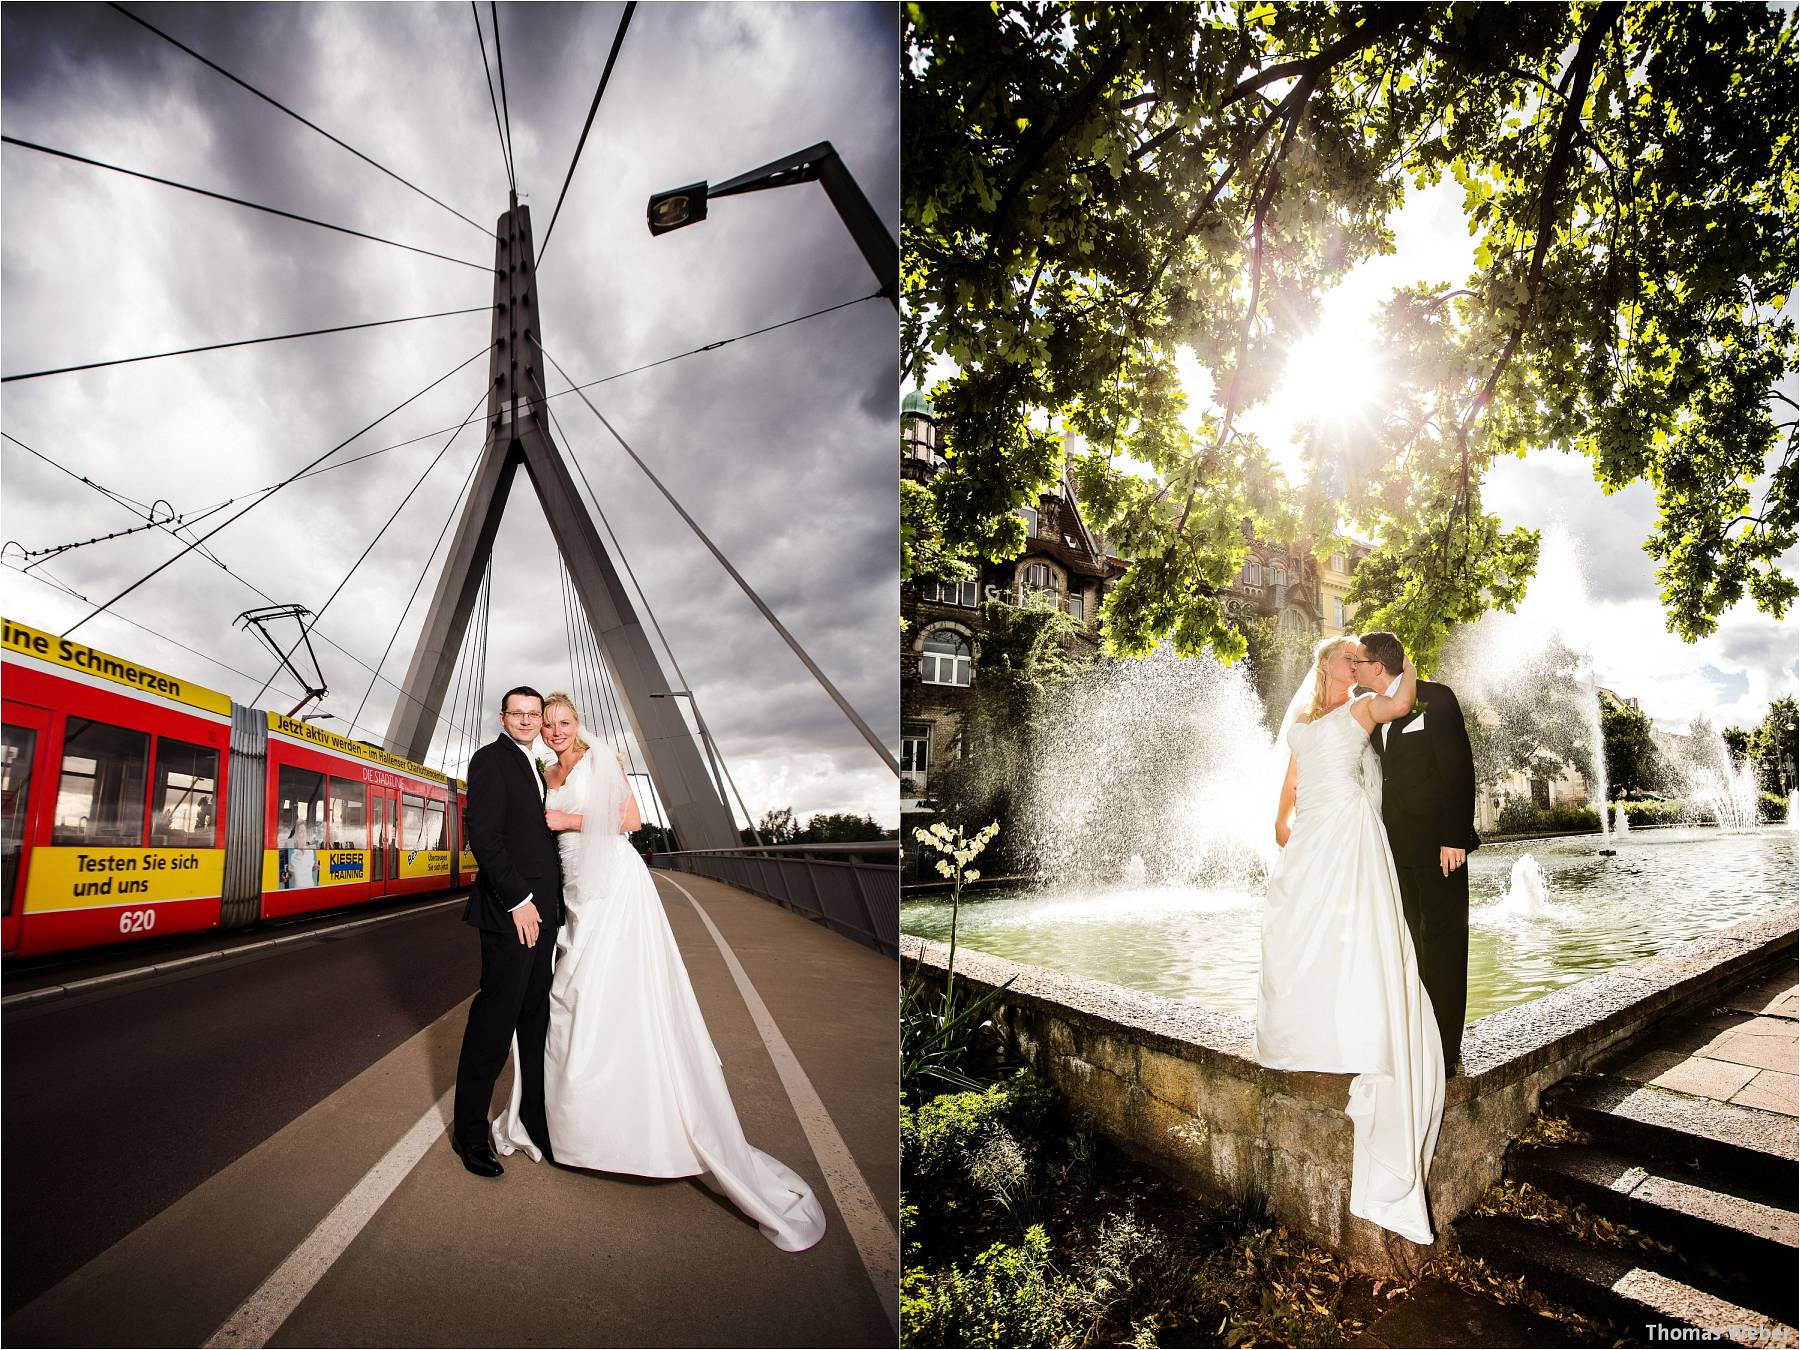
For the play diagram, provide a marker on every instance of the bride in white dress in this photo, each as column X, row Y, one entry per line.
column 631, row 1080
column 1340, row 989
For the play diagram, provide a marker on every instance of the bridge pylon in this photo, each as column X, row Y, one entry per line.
column 518, row 435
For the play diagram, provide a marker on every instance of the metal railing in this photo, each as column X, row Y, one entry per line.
column 852, row 889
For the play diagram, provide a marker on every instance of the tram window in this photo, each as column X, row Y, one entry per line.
column 434, row 826
column 349, row 817
column 186, row 795
column 15, row 782
column 301, row 823
column 413, row 823
column 100, row 800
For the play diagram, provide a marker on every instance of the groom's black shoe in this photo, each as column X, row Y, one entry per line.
column 478, row 1158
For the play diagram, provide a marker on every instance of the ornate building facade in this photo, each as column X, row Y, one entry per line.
column 1064, row 565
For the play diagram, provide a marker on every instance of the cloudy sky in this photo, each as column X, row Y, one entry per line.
column 781, row 445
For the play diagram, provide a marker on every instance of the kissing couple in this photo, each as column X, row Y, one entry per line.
column 1365, row 940
column 613, row 1069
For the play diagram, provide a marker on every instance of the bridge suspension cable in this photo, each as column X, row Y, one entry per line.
column 263, row 497
column 235, row 201
column 500, row 64
column 308, row 626
column 505, row 158
column 618, row 551
column 245, row 84
column 241, row 342
column 844, row 705
column 594, row 107
column 424, row 571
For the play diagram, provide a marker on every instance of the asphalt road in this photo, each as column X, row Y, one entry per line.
column 118, row 1103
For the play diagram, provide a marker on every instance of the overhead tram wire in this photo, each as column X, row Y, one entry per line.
column 649, row 610
column 594, row 107
column 500, row 63
column 244, row 84
column 394, row 636
column 58, row 584
column 121, row 499
column 242, row 342
column 505, row 154
column 236, row 201
column 161, row 567
column 844, row 705
column 306, row 628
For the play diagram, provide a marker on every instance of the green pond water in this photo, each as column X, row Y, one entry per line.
column 1203, row 946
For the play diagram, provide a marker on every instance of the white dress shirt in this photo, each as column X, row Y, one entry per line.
column 1392, row 689
column 525, row 750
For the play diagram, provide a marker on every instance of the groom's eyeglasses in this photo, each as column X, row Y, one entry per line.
column 525, row 716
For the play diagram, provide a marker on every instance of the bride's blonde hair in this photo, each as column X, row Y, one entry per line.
column 556, row 696
column 1322, row 655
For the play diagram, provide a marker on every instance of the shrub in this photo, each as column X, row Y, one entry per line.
column 1655, row 812
column 1519, row 815
column 937, row 1135
column 1771, row 808
column 1010, row 1296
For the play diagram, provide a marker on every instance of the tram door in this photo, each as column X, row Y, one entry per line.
column 384, row 838
column 24, row 788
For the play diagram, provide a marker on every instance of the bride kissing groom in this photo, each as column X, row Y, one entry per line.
column 1365, row 937
column 613, row 1067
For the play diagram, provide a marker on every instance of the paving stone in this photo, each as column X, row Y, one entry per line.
column 1754, row 1142
column 1771, row 1091
column 1765, row 995
column 1758, row 1052
column 1712, row 1078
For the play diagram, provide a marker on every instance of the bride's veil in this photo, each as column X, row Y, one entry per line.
column 601, row 801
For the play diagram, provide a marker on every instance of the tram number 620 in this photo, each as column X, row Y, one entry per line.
column 137, row 921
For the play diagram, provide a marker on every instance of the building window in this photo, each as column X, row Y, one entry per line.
column 1030, row 516
column 1039, row 580
column 946, row 659
column 1076, row 606
column 1338, row 564
column 1540, row 793
column 1278, row 576
column 185, row 796
column 1291, row 622
column 1337, row 612
column 915, row 751
column 965, row 593
column 100, row 800
column 1253, row 574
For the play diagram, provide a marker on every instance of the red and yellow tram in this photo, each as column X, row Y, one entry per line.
column 134, row 804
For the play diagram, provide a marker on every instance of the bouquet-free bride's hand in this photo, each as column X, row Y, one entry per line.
column 559, row 821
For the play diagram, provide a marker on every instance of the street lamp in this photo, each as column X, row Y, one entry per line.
column 681, row 206
column 717, row 768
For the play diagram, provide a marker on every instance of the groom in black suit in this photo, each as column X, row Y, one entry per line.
column 516, row 902
column 1428, row 807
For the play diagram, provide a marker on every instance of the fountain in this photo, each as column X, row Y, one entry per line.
column 1621, row 821
column 1527, row 889
column 1135, row 873
column 1720, row 790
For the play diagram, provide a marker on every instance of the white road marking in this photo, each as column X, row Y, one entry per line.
column 224, row 953
column 260, row 1316
column 876, row 1242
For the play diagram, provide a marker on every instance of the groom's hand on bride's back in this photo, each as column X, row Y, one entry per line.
column 525, row 923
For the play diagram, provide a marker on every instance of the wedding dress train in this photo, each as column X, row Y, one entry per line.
column 632, row 1082
column 1340, row 990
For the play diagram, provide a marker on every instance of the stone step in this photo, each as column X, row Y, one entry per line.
column 1614, row 1284
column 1743, row 1237
column 1739, row 1143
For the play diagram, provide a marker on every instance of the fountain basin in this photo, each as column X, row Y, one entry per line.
column 1202, row 946
column 1176, row 1084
